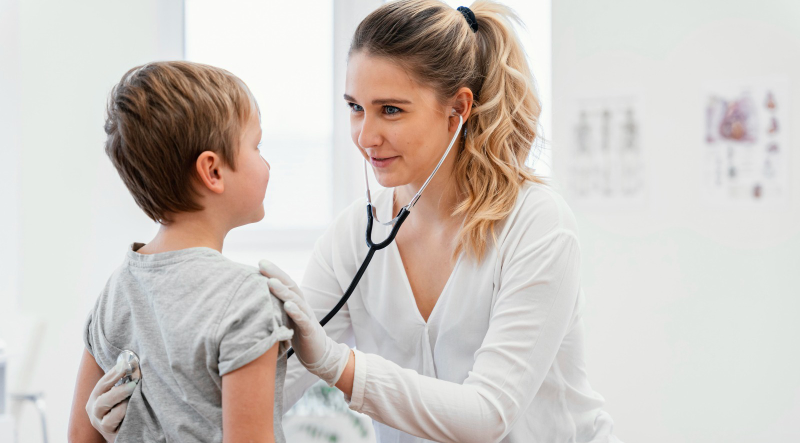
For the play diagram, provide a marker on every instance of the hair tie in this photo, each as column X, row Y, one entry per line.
column 470, row 16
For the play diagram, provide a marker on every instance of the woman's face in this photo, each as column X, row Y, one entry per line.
column 397, row 124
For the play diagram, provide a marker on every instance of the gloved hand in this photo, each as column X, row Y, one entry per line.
column 320, row 354
column 107, row 405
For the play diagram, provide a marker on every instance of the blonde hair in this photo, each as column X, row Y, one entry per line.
column 160, row 117
column 435, row 43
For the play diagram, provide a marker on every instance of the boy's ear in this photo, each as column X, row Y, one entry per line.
column 209, row 170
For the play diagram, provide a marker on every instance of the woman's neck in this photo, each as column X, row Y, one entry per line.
column 437, row 202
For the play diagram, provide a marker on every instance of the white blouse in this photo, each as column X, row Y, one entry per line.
column 501, row 356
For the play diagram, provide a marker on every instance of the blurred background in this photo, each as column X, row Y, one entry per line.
column 670, row 127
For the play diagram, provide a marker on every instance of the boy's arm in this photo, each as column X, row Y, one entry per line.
column 80, row 428
column 248, row 397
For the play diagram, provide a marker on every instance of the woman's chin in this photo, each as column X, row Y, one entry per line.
column 389, row 180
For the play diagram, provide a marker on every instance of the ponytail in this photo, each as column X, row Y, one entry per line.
column 491, row 168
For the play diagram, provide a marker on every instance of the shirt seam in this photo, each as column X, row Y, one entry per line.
column 155, row 263
column 217, row 323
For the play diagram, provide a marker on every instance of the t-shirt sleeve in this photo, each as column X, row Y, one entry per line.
column 95, row 341
column 252, row 323
column 87, row 332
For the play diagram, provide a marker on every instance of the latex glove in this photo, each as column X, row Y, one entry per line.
column 317, row 352
column 107, row 404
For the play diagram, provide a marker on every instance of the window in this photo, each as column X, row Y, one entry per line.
column 283, row 51
column 291, row 75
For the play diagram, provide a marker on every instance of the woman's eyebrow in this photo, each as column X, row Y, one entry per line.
column 382, row 101
column 387, row 101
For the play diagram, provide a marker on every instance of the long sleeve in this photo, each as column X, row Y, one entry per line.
column 322, row 291
column 534, row 308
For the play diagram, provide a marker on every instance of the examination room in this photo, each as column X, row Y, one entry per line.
column 400, row 221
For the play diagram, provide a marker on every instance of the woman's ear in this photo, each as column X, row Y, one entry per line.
column 462, row 105
column 209, row 170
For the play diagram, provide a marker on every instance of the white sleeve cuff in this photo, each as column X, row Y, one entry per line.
column 330, row 367
column 359, row 380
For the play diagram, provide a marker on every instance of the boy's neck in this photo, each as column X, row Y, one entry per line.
column 187, row 230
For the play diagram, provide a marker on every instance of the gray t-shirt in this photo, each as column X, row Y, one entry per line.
column 191, row 316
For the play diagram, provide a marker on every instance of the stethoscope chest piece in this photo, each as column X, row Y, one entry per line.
column 132, row 370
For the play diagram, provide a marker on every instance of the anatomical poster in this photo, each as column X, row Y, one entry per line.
column 606, row 165
column 746, row 143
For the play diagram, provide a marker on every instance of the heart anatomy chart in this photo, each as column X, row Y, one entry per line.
column 746, row 143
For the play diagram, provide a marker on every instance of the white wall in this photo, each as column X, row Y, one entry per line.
column 691, row 316
column 75, row 219
column 9, row 142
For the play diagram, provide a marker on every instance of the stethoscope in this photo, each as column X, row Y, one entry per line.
column 130, row 362
column 395, row 223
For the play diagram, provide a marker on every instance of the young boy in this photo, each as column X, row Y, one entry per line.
column 184, row 138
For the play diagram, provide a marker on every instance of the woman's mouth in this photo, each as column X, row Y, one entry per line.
column 382, row 162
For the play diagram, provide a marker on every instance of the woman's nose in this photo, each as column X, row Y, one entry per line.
column 369, row 133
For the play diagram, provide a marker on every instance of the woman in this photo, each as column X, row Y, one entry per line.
column 469, row 326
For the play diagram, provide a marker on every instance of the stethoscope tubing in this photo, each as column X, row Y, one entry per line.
column 373, row 248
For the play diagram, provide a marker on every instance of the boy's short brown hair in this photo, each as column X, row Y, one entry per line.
column 160, row 118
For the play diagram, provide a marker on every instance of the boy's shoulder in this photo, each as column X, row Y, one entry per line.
column 241, row 268
column 250, row 277
column 240, row 282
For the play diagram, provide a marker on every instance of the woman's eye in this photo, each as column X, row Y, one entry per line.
column 354, row 107
column 390, row 110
